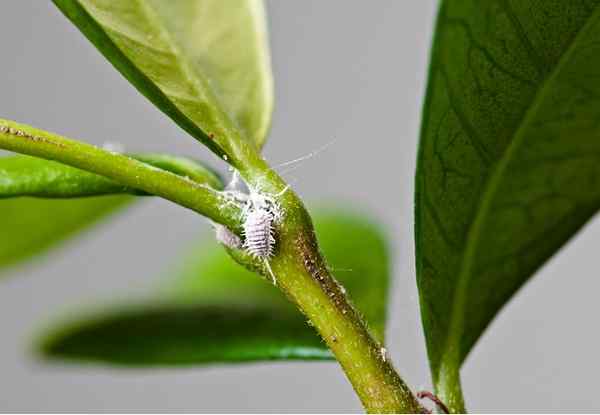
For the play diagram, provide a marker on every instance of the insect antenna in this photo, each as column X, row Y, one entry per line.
column 303, row 158
column 298, row 160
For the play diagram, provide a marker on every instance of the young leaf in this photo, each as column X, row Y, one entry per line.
column 220, row 312
column 508, row 164
column 205, row 63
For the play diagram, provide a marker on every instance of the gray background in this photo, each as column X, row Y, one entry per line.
column 349, row 70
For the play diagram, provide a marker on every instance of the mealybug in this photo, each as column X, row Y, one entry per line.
column 261, row 213
column 258, row 233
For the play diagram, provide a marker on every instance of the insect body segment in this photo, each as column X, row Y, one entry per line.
column 261, row 213
column 258, row 233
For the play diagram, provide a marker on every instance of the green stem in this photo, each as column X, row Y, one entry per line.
column 301, row 273
column 299, row 268
column 303, row 276
column 199, row 197
column 448, row 387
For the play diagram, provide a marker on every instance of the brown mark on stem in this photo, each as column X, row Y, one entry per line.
column 20, row 133
column 316, row 267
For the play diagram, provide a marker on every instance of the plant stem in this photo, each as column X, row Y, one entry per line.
column 299, row 267
column 302, row 274
column 448, row 387
column 199, row 197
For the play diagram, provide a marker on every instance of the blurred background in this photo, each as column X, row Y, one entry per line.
column 353, row 71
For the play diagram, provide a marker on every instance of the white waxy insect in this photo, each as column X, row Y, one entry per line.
column 261, row 213
column 227, row 238
column 383, row 352
column 259, row 239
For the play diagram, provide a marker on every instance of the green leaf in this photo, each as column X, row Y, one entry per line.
column 31, row 176
column 31, row 226
column 205, row 63
column 217, row 311
column 183, row 166
column 184, row 191
column 508, row 164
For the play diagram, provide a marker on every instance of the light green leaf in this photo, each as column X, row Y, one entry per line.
column 205, row 63
column 508, row 164
column 183, row 166
column 31, row 176
column 217, row 311
column 30, row 225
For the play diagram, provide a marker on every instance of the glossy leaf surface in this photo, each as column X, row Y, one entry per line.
column 508, row 164
column 217, row 311
column 205, row 63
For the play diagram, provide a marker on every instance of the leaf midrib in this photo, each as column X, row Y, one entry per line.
column 98, row 35
column 451, row 353
column 183, row 62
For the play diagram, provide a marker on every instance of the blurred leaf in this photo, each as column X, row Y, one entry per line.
column 204, row 63
column 219, row 312
column 508, row 165
column 185, row 334
column 30, row 226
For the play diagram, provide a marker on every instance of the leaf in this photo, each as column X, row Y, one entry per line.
column 183, row 166
column 508, row 163
column 31, row 176
column 204, row 63
column 30, row 226
column 217, row 311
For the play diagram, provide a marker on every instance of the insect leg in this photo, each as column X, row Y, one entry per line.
column 270, row 271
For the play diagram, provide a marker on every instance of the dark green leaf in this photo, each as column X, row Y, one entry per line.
column 219, row 312
column 508, row 165
column 187, row 334
column 205, row 63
